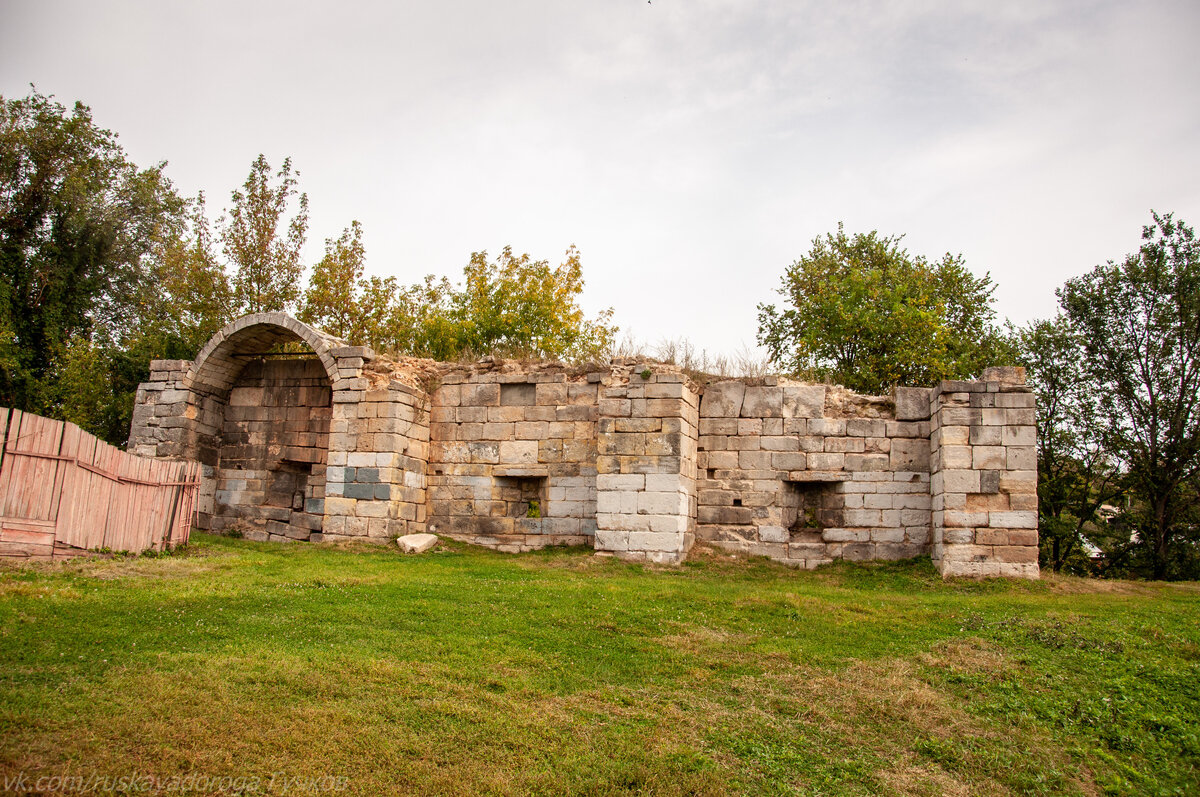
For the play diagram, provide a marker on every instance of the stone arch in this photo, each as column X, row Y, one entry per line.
column 218, row 364
column 260, row 424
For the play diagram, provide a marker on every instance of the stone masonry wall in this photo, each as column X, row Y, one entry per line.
column 984, row 485
column 379, row 447
column 646, row 469
column 270, row 475
column 808, row 474
column 513, row 459
column 634, row 459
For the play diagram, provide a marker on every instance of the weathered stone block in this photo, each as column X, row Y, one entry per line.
column 722, row 399
column 803, row 401
column 912, row 403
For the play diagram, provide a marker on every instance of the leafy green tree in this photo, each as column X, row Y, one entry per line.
column 1139, row 321
column 331, row 301
column 524, row 307
column 1076, row 474
column 261, row 243
column 862, row 312
column 424, row 321
column 79, row 226
column 189, row 296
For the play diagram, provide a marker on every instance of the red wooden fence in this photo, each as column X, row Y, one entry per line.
column 63, row 492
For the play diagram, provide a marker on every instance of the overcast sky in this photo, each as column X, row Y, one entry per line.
column 691, row 150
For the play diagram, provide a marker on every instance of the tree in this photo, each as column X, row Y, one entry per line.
column 1076, row 475
column 332, row 298
column 1139, row 321
column 265, row 259
column 524, row 307
column 343, row 301
column 189, row 296
column 79, row 226
column 864, row 313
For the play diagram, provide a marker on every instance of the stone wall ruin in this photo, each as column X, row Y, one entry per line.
column 327, row 441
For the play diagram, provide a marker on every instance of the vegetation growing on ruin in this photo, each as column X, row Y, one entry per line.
column 468, row 671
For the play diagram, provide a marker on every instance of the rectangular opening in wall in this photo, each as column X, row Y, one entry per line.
column 518, row 394
column 288, row 483
column 811, row 507
column 523, row 496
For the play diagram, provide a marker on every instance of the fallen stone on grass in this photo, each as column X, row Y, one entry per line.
column 416, row 543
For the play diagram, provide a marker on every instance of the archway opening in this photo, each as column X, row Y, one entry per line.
column 267, row 388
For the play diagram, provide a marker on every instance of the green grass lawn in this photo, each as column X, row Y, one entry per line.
column 464, row 671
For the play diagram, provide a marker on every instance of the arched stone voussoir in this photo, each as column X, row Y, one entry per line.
column 218, row 364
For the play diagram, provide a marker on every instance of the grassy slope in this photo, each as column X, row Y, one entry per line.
column 467, row 671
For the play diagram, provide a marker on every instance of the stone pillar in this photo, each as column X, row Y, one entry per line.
column 172, row 421
column 378, row 452
column 646, row 467
column 983, row 459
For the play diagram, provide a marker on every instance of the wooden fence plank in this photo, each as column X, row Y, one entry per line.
column 63, row 491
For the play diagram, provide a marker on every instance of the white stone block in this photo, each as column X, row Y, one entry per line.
column 416, row 543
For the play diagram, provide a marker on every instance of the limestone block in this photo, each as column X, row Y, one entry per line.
column 912, row 403
column 992, row 417
column 866, row 427
column 1023, row 502
column 1020, row 435
column 956, row 519
column 988, row 458
column 962, row 416
column 1021, row 458
column 867, row 462
column 845, row 445
column 749, row 426
column 952, row 436
column 773, row 534
column 1023, row 537
column 987, row 435
column 967, row 553
column 677, row 524
column 827, row 427
column 1022, row 400
column 788, row 460
column 1008, row 375
column 340, row 506
column 582, row 393
column 616, row 502
column 804, row 401
column 877, row 501
column 762, row 402
column 1019, row 482
column 759, row 460
column 960, row 480
column 665, row 483
column 1020, row 417
column 723, row 400
column 858, row 551
column 552, row 393
column 909, row 455
column 1020, row 554
column 655, row 541
column 780, row 444
column 1013, row 520
column 417, row 543
column 673, row 503
column 826, row 461
column 480, row 395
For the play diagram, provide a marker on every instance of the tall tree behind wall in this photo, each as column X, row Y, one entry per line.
column 862, row 312
column 1139, row 321
column 261, row 244
column 79, row 227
